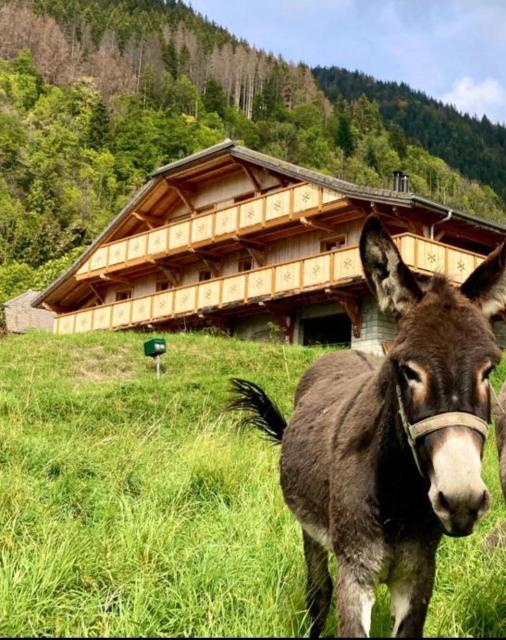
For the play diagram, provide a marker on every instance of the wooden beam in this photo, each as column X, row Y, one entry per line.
column 184, row 194
column 55, row 308
column 311, row 224
column 149, row 221
column 174, row 276
column 258, row 256
column 107, row 278
column 250, row 174
column 250, row 244
column 96, row 293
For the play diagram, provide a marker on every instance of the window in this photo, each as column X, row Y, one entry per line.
column 124, row 294
column 332, row 244
column 163, row 285
column 245, row 265
column 204, row 275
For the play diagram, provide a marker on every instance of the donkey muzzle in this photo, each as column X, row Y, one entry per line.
column 457, row 492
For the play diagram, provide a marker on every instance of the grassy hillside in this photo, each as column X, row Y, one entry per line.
column 134, row 507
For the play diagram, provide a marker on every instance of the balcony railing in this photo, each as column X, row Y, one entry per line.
column 296, row 276
column 200, row 230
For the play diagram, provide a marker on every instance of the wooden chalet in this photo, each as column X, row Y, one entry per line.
column 232, row 238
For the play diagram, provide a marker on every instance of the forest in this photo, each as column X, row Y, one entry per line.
column 96, row 94
column 474, row 146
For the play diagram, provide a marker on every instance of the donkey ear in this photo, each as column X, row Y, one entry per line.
column 388, row 277
column 486, row 286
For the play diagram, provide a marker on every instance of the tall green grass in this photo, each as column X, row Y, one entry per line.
column 131, row 506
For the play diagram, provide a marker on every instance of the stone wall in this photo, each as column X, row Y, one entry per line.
column 376, row 328
column 20, row 316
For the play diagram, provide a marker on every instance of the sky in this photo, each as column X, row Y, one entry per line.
column 454, row 50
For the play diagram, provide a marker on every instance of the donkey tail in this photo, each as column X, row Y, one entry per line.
column 262, row 412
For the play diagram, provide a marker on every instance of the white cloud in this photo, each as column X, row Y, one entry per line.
column 478, row 98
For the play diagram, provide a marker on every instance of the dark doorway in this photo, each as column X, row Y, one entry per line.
column 335, row 329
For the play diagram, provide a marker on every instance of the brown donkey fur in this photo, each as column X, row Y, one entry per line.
column 347, row 472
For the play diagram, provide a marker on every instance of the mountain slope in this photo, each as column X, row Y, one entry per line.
column 477, row 148
column 96, row 94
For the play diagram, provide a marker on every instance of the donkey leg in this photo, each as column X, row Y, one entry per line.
column 410, row 593
column 355, row 600
column 319, row 584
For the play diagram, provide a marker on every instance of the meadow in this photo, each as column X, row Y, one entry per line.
column 131, row 506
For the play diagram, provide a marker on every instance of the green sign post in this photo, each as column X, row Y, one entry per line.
column 154, row 349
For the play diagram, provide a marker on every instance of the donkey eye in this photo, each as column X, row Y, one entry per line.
column 486, row 373
column 410, row 374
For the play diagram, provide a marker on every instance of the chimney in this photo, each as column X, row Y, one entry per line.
column 400, row 182
column 397, row 180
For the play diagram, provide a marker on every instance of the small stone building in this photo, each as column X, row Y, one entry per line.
column 20, row 316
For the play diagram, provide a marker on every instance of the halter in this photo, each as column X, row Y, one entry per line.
column 435, row 423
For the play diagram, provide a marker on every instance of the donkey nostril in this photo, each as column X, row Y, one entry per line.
column 485, row 500
column 443, row 502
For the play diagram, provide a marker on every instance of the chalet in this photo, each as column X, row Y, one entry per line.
column 232, row 238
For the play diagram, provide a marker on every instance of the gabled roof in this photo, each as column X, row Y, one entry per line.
column 229, row 147
column 25, row 294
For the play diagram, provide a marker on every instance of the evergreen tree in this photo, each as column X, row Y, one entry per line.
column 98, row 132
column 344, row 138
column 214, row 98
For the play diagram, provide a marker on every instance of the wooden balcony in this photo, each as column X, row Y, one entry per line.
column 264, row 212
column 317, row 272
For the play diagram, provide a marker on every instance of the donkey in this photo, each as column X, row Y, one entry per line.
column 382, row 456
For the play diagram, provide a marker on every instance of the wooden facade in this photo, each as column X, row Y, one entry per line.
column 229, row 234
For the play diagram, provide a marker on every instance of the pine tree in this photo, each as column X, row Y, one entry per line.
column 214, row 98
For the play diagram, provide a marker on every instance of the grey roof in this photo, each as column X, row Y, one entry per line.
column 268, row 162
column 29, row 292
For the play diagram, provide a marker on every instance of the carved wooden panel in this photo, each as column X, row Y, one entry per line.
column 84, row 321
column 102, row 317
column 277, row 205
column 162, row 304
column 209, row 294
column 137, row 247
column 121, row 313
column 329, row 195
column 406, row 245
column 99, row 259
column 179, row 235
column 141, row 309
column 233, row 289
column 316, row 270
column 305, row 197
column 259, row 283
column 118, row 252
column 202, row 228
column 226, row 221
column 287, row 277
column 65, row 324
column 251, row 212
column 185, row 300
column 158, row 241
column 460, row 265
column 347, row 264
column 430, row 256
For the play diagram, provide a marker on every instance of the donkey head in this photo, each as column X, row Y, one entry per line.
column 442, row 356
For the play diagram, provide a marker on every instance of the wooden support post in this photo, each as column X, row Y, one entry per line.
column 250, row 174
column 149, row 221
column 317, row 225
column 352, row 307
column 96, row 293
column 286, row 323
